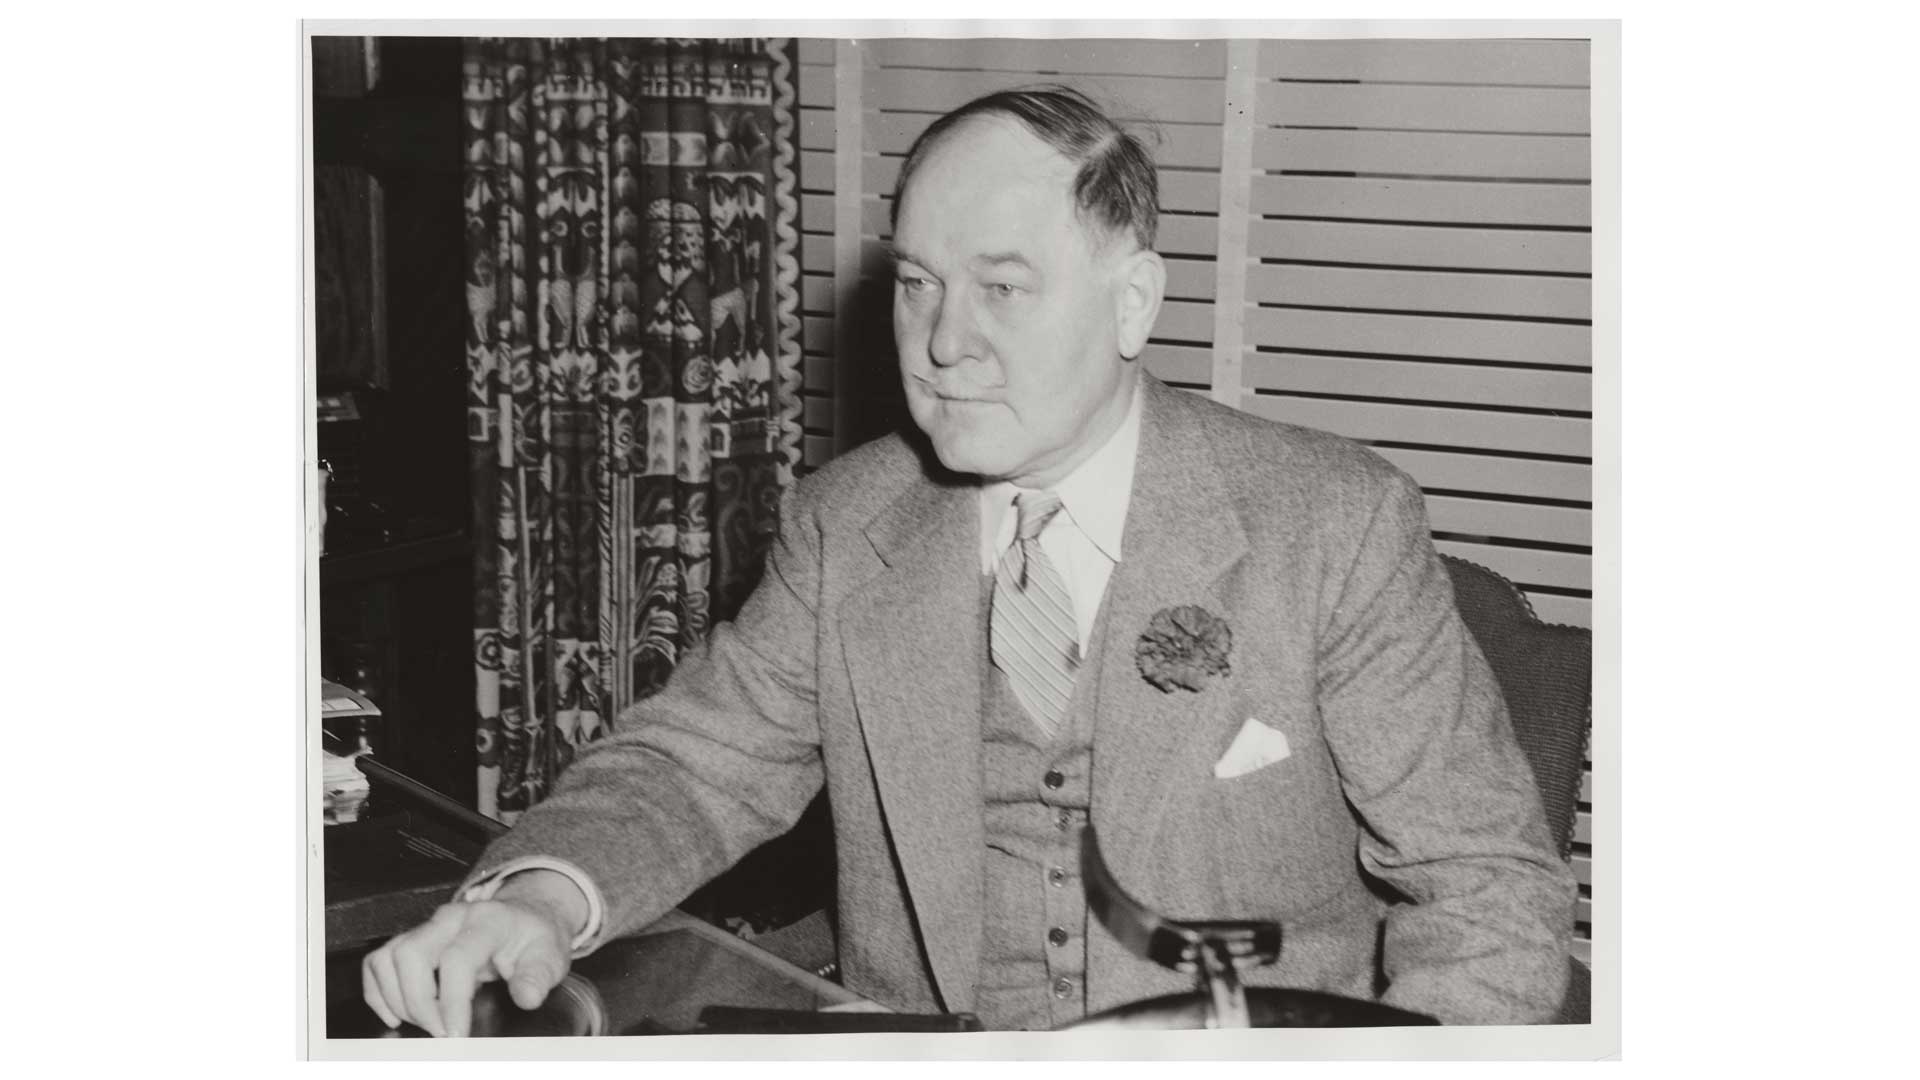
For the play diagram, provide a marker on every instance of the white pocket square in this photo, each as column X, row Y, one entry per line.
column 1256, row 747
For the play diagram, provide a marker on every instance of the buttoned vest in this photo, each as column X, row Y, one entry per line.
column 1033, row 947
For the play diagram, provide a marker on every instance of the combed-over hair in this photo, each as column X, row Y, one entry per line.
column 1116, row 186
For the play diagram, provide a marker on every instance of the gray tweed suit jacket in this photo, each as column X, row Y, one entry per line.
column 1400, row 844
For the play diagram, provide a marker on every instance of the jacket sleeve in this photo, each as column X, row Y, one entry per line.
column 724, row 758
column 1451, row 818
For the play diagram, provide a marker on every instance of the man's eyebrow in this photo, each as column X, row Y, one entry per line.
column 1004, row 258
column 902, row 255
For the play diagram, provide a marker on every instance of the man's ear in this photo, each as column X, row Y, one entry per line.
column 1142, row 280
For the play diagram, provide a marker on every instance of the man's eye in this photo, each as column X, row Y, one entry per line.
column 913, row 283
column 1003, row 290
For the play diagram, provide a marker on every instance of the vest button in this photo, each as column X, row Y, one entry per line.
column 1057, row 936
column 1053, row 779
column 1064, row 821
column 1056, row 877
column 1062, row 987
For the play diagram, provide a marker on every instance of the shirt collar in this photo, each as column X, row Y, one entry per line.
column 1095, row 496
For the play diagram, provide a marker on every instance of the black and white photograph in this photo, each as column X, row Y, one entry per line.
column 963, row 543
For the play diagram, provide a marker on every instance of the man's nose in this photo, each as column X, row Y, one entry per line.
column 953, row 338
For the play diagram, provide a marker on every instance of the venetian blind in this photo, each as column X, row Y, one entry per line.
column 1404, row 258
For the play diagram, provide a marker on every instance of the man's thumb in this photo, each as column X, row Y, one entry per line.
column 533, row 977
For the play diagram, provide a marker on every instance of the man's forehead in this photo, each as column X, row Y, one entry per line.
column 985, row 187
column 994, row 150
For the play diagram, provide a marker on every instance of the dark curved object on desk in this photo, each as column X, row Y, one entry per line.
column 1149, row 935
column 1267, row 1007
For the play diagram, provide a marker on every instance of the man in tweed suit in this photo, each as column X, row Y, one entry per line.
column 1081, row 598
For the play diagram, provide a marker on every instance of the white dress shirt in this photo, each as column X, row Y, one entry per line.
column 1082, row 541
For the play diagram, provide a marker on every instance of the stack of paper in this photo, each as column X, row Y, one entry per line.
column 345, row 788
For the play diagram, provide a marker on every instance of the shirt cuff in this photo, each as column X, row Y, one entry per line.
column 486, row 887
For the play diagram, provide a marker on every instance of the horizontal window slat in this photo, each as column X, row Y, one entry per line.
column 816, row 129
column 1583, row 950
column 1421, row 335
column 1510, row 521
column 1565, row 610
column 816, row 412
column 1413, row 290
column 814, row 50
column 1076, row 56
column 1188, row 236
column 1466, row 384
column 1583, row 910
column 1197, row 192
column 1191, row 279
column 816, row 213
column 1583, row 869
column 816, row 171
column 1525, row 566
column 1586, row 785
column 1184, row 146
column 814, row 84
column 874, row 216
column 816, row 450
column 816, row 334
column 1123, row 97
column 1184, row 321
column 1431, row 425
column 816, row 294
column 1495, row 475
column 1474, row 61
column 816, row 253
column 1421, row 246
column 816, row 373
column 1424, row 153
column 1456, row 201
column 1446, row 108
column 1179, row 363
column 1583, row 828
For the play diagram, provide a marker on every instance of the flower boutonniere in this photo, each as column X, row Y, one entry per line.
column 1184, row 646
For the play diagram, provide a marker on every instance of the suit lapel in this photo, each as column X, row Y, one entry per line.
column 914, row 655
column 1181, row 534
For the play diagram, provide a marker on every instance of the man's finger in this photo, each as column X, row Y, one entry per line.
column 387, row 977
column 375, row 997
column 416, row 956
column 461, row 969
column 414, row 965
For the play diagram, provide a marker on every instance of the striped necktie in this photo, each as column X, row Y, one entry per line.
column 1035, row 643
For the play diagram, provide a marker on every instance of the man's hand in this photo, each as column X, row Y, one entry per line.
column 427, row 975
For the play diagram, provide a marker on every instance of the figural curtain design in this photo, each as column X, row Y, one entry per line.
column 632, row 348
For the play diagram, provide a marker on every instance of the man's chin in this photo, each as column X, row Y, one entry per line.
column 968, row 455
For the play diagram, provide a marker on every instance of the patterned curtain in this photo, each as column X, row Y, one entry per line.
column 633, row 352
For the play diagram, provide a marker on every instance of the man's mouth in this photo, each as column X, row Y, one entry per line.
column 955, row 396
